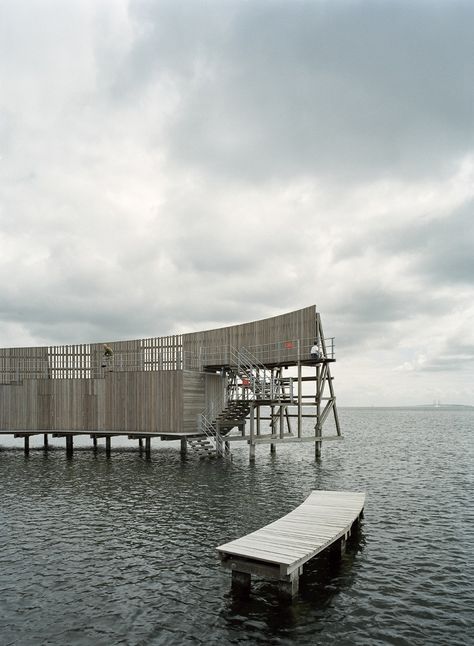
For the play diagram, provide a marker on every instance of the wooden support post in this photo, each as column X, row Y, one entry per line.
column 241, row 581
column 272, row 427
column 107, row 445
column 219, row 441
column 317, row 445
column 140, row 443
column 69, row 444
column 300, row 394
column 148, row 446
column 45, row 441
column 258, row 420
column 27, row 444
column 282, row 424
column 252, row 452
column 94, row 442
column 289, row 588
column 342, row 545
column 252, row 433
column 184, row 446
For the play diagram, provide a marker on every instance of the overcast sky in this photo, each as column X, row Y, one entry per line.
column 173, row 166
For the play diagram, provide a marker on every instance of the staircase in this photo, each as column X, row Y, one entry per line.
column 203, row 446
column 233, row 415
column 258, row 383
column 255, row 375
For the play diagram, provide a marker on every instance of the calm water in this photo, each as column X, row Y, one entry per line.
column 121, row 550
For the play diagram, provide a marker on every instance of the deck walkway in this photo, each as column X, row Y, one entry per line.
column 280, row 550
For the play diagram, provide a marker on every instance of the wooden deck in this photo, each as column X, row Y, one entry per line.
column 280, row 550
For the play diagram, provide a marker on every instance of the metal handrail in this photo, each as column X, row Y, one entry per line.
column 87, row 366
column 208, row 428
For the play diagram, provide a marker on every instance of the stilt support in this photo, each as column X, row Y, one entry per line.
column 184, row 446
column 140, row 443
column 252, row 453
column 69, row 444
column 273, row 448
column 94, row 442
column 342, row 545
column 317, row 450
column 241, row 582
column 27, row 444
column 148, row 446
column 289, row 589
column 107, row 445
column 45, row 441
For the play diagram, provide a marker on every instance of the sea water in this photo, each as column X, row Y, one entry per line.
column 121, row 550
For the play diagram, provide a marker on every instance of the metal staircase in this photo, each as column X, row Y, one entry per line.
column 260, row 382
column 253, row 381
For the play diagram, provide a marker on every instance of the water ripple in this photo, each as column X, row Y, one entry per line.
column 121, row 550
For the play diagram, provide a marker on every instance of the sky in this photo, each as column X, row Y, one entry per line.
column 172, row 166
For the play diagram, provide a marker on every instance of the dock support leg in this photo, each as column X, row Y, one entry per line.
column 69, row 444
column 140, row 443
column 252, row 453
column 148, row 446
column 289, row 589
column 273, row 448
column 317, row 450
column 94, row 443
column 241, row 582
column 107, row 445
column 252, row 434
column 184, row 446
column 342, row 545
column 27, row 444
column 45, row 441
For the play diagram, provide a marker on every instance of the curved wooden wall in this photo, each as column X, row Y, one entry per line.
column 152, row 385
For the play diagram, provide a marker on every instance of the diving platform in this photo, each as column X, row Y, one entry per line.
column 262, row 380
column 281, row 549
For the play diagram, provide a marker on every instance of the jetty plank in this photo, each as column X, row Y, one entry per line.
column 286, row 544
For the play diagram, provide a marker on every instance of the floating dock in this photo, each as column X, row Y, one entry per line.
column 280, row 550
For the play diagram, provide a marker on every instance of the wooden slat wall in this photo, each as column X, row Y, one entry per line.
column 300, row 324
column 128, row 401
column 146, row 401
column 17, row 363
column 194, row 398
column 144, row 387
column 215, row 392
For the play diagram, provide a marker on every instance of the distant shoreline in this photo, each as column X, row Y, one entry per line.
column 421, row 406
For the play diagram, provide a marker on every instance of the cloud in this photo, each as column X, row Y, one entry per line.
column 278, row 90
column 168, row 167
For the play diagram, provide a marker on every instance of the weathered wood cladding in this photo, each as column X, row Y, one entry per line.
column 147, row 401
column 194, row 398
column 15, row 363
column 87, row 360
column 269, row 334
column 146, row 385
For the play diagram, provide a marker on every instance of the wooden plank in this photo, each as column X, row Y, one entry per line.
column 290, row 541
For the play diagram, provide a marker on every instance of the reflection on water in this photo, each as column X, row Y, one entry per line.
column 120, row 550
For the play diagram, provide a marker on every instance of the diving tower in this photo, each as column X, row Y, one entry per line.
column 254, row 382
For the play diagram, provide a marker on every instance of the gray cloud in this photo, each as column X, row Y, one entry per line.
column 270, row 90
column 167, row 167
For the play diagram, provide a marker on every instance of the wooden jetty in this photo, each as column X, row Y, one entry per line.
column 280, row 550
column 255, row 382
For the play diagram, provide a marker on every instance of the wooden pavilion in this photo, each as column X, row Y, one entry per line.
column 255, row 382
